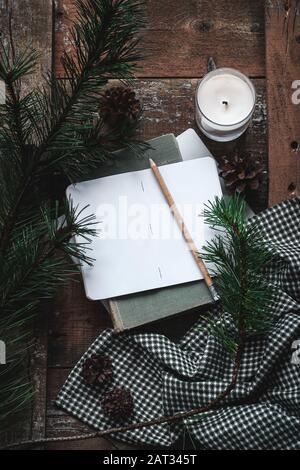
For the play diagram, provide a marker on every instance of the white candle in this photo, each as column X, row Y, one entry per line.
column 225, row 101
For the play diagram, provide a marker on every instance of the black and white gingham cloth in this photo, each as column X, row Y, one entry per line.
column 262, row 412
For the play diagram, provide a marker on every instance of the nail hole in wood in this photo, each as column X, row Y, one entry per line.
column 205, row 26
column 291, row 188
column 294, row 145
column 256, row 28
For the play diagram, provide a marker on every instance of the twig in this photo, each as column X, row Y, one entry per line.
column 11, row 39
column 4, row 238
column 243, row 277
column 146, row 424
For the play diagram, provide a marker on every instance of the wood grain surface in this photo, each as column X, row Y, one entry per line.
column 179, row 37
column 76, row 321
column 283, row 68
column 32, row 22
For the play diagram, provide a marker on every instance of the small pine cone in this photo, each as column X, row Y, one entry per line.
column 241, row 172
column 120, row 105
column 118, row 404
column 97, row 369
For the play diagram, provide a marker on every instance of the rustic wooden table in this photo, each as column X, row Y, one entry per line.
column 259, row 38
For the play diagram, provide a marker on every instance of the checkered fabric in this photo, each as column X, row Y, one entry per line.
column 262, row 412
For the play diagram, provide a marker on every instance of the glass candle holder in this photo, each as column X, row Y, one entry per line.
column 225, row 101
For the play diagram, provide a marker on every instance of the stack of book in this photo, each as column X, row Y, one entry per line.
column 147, row 301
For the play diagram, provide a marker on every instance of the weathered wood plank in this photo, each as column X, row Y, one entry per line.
column 168, row 107
column 180, row 36
column 38, row 372
column 32, row 23
column 74, row 324
column 283, row 67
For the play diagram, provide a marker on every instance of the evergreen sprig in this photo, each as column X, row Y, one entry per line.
column 239, row 255
column 51, row 133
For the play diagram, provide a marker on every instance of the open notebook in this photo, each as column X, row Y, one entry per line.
column 139, row 246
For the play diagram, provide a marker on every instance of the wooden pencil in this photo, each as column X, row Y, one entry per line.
column 185, row 232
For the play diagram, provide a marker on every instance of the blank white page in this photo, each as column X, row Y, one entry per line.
column 139, row 245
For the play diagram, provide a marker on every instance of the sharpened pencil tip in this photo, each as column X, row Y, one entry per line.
column 152, row 163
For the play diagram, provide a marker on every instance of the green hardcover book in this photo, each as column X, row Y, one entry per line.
column 134, row 310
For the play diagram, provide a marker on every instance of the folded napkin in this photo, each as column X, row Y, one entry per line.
column 262, row 412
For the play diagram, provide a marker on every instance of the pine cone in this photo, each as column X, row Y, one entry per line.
column 120, row 105
column 118, row 404
column 241, row 172
column 97, row 369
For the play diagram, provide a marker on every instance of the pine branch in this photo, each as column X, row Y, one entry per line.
column 105, row 48
column 104, row 36
column 240, row 256
column 34, row 266
column 13, row 68
column 238, row 238
column 144, row 424
column 47, row 134
column 38, row 271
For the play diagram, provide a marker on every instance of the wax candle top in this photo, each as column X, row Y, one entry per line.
column 225, row 99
